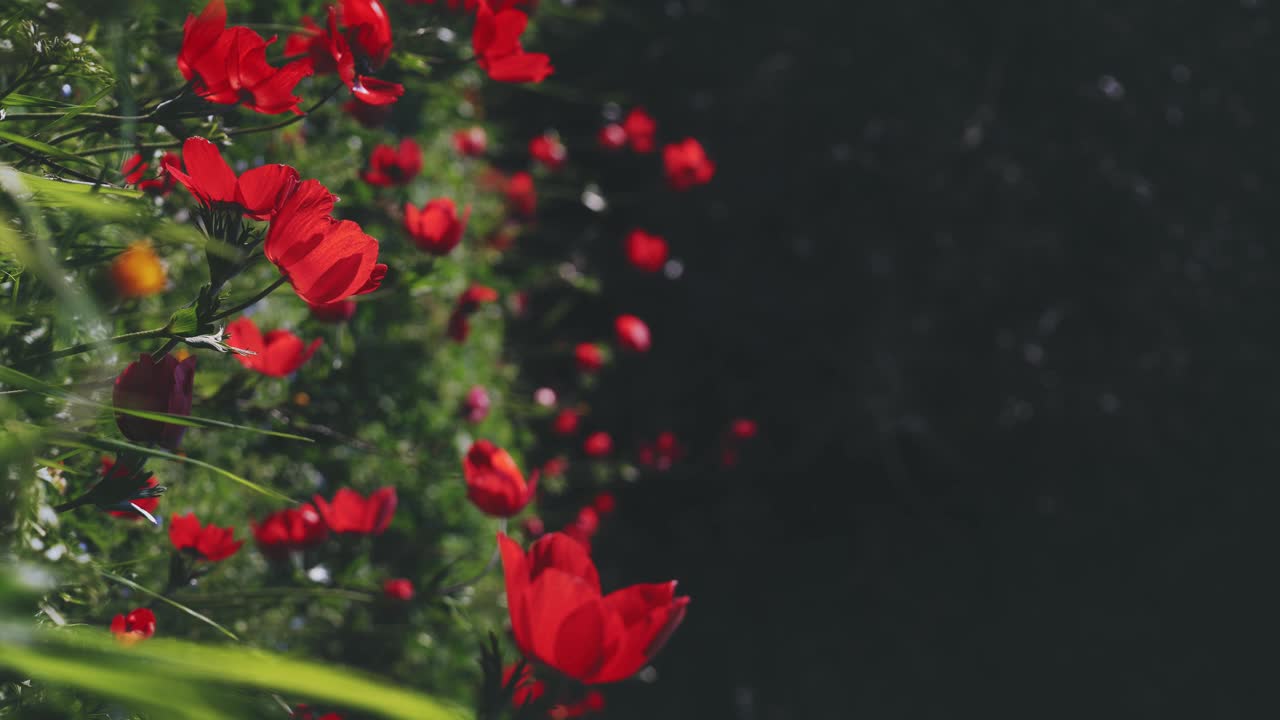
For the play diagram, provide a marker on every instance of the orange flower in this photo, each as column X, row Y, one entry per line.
column 137, row 272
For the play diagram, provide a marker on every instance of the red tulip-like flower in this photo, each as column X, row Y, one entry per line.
column 227, row 66
column 137, row 626
column 398, row 589
column 604, row 503
column 494, row 483
column 351, row 512
column 436, row 228
column 289, row 529
column 278, row 353
column 612, row 137
column 334, row 312
column 588, row 357
column 209, row 542
column 560, row 617
column 642, row 131
column 632, row 333
column 357, row 44
column 163, row 386
column 566, row 423
column 148, row 504
column 646, row 252
column 476, row 406
column 496, row 42
column 548, row 150
column 390, row 166
column 522, row 199
column 258, row 193
column 471, row 142
column 687, row 164
column 326, row 260
column 597, row 444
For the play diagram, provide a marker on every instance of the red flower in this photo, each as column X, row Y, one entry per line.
column 548, row 150
column 687, row 164
column 471, row 142
column 604, row 503
column 258, row 193
column 494, row 483
column 398, row 589
column 148, row 504
column 591, row 702
column 303, row 712
column 357, row 44
column 476, row 406
column 566, row 423
column 522, row 200
column 528, row 689
column 612, row 137
column 289, row 529
column 560, row 618
column 584, row 526
column 138, row 625
column 326, row 260
column 534, row 526
column 436, row 228
column 334, row 312
column 370, row 116
column 459, row 327
column 163, row 386
column 351, row 512
column 229, row 65
column 555, row 466
column 663, row 453
column 588, row 357
column 279, row 353
column 743, row 429
column 496, row 42
column 597, row 444
column 646, row 252
column 133, row 168
column 642, row 130
column 390, row 166
column 210, row 542
column 471, row 299
column 632, row 334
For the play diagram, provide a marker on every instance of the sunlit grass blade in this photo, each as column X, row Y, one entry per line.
column 45, row 149
column 202, row 618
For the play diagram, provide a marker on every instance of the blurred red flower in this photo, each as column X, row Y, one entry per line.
column 496, row 42
column 476, row 406
column 164, row 386
column 597, row 444
column 149, row 504
column 209, row 542
column 585, row 525
column 136, row 626
column 134, row 167
column 534, row 526
column 494, row 483
column 258, row 193
column 390, row 166
column 522, row 199
column 663, row 452
column 687, row 165
column 334, row 312
column 398, row 589
column 289, row 529
column 474, row 296
column 604, row 503
column 548, row 150
column 278, row 353
column 642, row 130
column 645, row 251
column 436, row 228
column 612, row 137
column 743, row 429
column 632, row 333
column 566, row 422
column 470, row 142
column 588, row 357
column 351, row 512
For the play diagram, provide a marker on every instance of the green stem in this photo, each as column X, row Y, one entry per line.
column 248, row 303
column 117, row 340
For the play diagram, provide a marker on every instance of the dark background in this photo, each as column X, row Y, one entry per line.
column 998, row 281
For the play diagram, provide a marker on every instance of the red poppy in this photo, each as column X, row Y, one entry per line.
column 138, row 625
column 476, row 406
column 534, row 526
column 470, row 142
column 604, row 503
column 390, row 166
column 588, row 357
column 555, row 466
column 163, row 386
column 548, row 150
column 496, row 42
column 522, row 200
column 334, row 312
column 632, row 334
column 148, row 504
column 642, row 130
column 687, row 164
column 358, row 43
column 612, row 137
column 436, row 228
column 370, row 116
column 597, row 444
column 474, row 296
column 743, row 429
column 210, row 542
column 398, row 589
column 134, row 167
column 289, row 529
column 258, row 193
column 494, row 483
column 351, row 512
column 566, row 423
column 560, row 617
column 326, row 260
column 646, row 252
column 278, row 353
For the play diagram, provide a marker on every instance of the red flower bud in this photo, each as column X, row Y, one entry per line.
column 398, row 589
column 632, row 334
column 646, row 252
column 588, row 357
column 494, row 483
column 597, row 444
column 687, row 165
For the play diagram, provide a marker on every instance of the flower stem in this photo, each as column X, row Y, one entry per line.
column 117, row 340
column 248, row 303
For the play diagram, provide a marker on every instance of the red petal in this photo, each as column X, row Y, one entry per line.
column 262, row 190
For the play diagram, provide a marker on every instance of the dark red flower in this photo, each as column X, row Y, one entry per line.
column 351, row 512
column 534, row 526
column 743, row 429
column 163, row 386
column 597, row 444
column 560, row 618
column 370, row 116
column 548, row 150
column 585, row 525
column 612, row 137
column 398, row 589
column 436, row 228
column 278, row 353
column 663, row 452
column 591, row 702
column 588, row 357
column 258, row 193
column 555, row 466
column 604, row 503
column 289, row 529
column 459, row 327
column 470, row 142
column 632, row 334
column 138, row 625
column 522, row 199
column 646, row 252
column 334, row 312
column 149, row 504
column 474, row 296
column 476, row 406
column 687, row 164
column 642, row 130
column 496, row 42
column 390, row 166
column 326, row 260
column 494, row 483
column 566, row 423
column 210, row 542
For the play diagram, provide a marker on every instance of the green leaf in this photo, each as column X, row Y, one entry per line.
column 184, row 322
column 46, row 149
